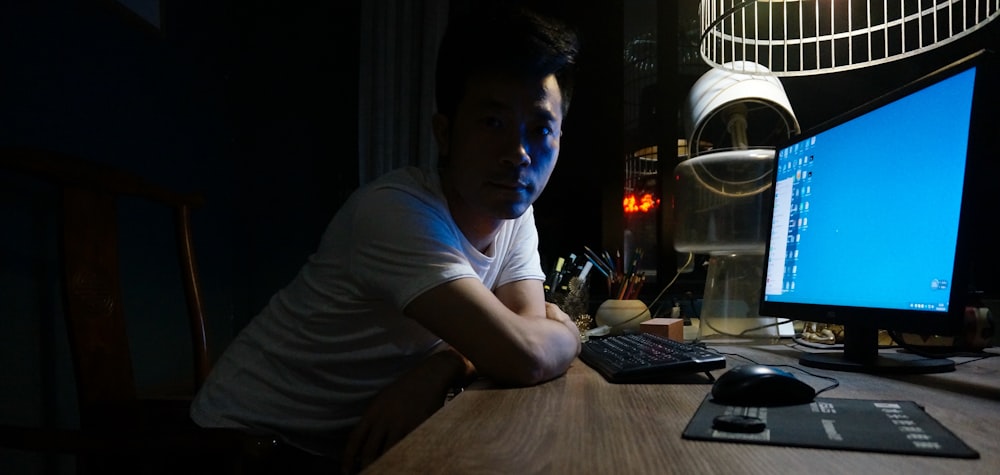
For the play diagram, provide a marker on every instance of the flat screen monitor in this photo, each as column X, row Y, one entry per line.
column 875, row 214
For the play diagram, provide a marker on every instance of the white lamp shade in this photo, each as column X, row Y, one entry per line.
column 739, row 82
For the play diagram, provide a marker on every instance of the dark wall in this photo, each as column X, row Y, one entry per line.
column 293, row 102
column 249, row 102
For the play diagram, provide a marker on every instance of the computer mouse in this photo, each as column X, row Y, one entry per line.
column 761, row 386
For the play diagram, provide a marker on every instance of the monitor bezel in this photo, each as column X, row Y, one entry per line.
column 972, row 212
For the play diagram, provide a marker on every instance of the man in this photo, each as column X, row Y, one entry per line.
column 423, row 278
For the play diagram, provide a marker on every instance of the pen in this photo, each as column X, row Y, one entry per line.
column 556, row 275
column 586, row 270
column 598, row 262
column 611, row 262
column 596, row 265
column 634, row 265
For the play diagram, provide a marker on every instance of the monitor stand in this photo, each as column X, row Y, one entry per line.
column 861, row 355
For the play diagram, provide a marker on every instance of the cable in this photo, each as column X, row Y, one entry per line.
column 707, row 323
column 836, row 383
column 778, row 323
column 982, row 356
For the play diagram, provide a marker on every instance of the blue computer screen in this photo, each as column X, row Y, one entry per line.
column 866, row 212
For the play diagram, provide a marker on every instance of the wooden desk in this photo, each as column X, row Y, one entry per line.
column 581, row 424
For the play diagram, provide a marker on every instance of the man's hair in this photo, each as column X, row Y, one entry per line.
column 503, row 40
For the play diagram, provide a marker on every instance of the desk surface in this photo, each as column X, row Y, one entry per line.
column 580, row 423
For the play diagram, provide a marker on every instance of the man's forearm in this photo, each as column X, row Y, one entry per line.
column 500, row 333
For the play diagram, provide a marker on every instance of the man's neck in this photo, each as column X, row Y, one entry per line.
column 479, row 229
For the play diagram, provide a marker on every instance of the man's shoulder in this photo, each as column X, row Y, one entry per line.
column 406, row 198
column 403, row 185
column 405, row 177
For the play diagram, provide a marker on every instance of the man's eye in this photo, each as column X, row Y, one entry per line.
column 544, row 131
column 493, row 122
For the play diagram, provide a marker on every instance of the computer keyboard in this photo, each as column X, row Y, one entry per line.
column 644, row 357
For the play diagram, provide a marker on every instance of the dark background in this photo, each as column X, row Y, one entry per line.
column 253, row 104
column 248, row 102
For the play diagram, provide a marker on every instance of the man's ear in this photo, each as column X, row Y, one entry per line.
column 442, row 132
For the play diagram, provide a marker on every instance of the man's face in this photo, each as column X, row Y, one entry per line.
column 501, row 146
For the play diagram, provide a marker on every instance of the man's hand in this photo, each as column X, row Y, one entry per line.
column 402, row 406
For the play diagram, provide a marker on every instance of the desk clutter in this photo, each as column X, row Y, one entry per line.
column 621, row 273
column 568, row 285
column 898, row 427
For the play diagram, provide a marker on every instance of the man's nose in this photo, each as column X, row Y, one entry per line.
column 518, row 153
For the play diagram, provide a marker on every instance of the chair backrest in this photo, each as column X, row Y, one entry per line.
column 91, row 280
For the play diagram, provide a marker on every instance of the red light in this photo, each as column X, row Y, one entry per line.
column 642, row 204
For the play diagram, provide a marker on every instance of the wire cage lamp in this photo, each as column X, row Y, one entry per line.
column 805, row 37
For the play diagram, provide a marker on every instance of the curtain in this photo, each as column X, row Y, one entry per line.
column 399, row 40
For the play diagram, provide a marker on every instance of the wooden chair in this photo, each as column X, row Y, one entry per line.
column 119, row 432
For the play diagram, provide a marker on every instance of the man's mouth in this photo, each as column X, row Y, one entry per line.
column 515, row 185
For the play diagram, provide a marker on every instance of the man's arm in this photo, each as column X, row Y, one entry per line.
column 403, row 405
column 512, row 337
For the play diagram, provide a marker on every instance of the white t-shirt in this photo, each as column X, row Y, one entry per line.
column 307, row 366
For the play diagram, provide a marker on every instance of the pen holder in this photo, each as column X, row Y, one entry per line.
column 622, row 316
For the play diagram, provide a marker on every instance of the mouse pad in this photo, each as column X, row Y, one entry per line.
column 898, row 427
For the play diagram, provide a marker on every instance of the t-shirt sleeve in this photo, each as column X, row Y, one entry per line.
column 403, row 245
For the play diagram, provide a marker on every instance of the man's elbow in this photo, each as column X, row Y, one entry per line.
column 536, row 368
column 527, row 377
